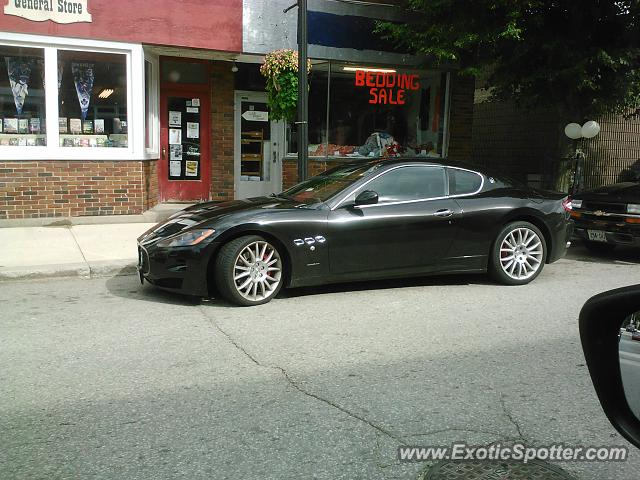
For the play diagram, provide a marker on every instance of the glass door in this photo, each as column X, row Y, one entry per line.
column 257, row 162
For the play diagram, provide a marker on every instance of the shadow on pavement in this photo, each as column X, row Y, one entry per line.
column 128, row 286
column 440, row 280
column 620, row 255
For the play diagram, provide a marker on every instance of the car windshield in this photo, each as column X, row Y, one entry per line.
column 327, row 184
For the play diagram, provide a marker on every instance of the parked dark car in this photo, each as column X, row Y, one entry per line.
column 359, row 221
column 608, row 216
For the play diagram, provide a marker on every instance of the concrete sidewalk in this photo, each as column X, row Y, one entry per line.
column 77, row 250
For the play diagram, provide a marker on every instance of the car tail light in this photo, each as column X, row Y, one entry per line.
column 566, row 204
column 632, row 220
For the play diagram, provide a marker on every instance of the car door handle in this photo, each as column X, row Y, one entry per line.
column 444, row 213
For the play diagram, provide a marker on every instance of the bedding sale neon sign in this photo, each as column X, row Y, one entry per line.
column 387, row 88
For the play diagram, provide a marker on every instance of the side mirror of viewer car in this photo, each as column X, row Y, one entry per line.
column 610, row 335
column 367, row 197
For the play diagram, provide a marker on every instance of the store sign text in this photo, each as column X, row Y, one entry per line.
column 59, row 11
column 387, row 88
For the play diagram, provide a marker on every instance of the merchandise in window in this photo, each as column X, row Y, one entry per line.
column 377, row 112
column 22, row 99
column 92, row 99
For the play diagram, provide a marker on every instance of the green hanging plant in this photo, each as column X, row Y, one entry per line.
column 280, row 69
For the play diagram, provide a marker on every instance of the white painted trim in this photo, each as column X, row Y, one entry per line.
column 51, row 96
column 135, row 106
column 153, row 152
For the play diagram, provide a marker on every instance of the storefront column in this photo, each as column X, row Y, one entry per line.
column 222, row 159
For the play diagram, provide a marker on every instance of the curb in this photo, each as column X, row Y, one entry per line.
column 110, row 268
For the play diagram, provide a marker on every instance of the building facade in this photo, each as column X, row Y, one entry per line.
column 531, row 145
column 108, row 109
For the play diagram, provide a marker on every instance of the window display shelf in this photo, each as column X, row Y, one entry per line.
column 23, row 139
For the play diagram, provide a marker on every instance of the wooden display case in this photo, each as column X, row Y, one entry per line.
column 251, row 153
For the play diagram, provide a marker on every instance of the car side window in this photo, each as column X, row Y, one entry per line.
column 409, row 183
column 462, row 182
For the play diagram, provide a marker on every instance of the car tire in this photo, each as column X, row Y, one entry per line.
column 599, row 248
column 249, row 271
column 518, row 254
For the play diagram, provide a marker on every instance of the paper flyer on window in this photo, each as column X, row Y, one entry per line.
column 193, row 130
column 191, row 168
column 19, row 72
column 83, row 77
column 175, row 168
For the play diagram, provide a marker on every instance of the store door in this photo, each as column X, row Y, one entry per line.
column 184, row 169
column 258, row 156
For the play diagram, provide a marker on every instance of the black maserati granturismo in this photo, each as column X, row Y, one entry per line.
column 359, row 221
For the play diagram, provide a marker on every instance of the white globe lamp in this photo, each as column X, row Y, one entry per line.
column 590, row 129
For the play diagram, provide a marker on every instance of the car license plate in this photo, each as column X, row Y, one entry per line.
column 597, row 235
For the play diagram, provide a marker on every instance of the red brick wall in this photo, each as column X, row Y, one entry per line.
column 39, row 189
column 222, row 105
column 151, row 192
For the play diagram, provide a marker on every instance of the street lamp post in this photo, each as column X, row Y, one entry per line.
column 577, row 132
column 303, row 93
column 303, row 90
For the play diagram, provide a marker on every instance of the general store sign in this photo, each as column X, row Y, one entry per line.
column 59, row 11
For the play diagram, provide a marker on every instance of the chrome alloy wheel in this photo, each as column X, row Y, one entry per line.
column 521, row 253
column 257, row 271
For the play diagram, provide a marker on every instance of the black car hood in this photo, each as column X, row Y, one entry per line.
column 209, row 210
column 628, row 192
column 206, row 212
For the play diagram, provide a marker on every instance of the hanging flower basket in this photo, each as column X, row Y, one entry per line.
column 280, row 69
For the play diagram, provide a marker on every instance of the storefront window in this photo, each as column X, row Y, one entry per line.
column 318, row 91
column 92, row 99
column 375, row 112
column 22, row 99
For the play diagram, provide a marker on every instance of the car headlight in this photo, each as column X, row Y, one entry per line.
column 186, row 239
column 576, row 203
column 633, row 208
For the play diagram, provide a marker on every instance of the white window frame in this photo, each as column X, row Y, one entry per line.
column 153, row 152
column 135, row 110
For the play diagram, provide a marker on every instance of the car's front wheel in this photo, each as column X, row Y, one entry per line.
column 249, row 271
column 518, row 255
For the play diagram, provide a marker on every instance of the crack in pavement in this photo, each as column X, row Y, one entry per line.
column 300, row 389
column 511, row 418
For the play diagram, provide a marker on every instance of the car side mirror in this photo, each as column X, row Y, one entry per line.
column 367, row 197
column 610, row 335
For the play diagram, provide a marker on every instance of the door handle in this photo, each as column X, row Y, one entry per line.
column 164, row 153
column 445, row 212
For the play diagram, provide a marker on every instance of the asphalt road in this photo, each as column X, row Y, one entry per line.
column 108, row 379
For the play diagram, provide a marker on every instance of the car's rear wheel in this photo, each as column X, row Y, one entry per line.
column 599, row 247
column 518, row 255
column 249, row 271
